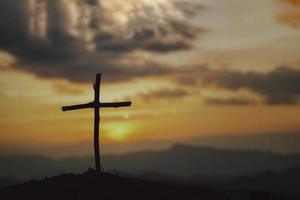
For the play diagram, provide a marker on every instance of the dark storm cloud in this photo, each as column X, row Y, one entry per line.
column 230, row 101
column 115, row 68
column 164, row 94
column 13, row 23
column 59, row 53
column 174, row 36
column 279, row 86
column 17, row 38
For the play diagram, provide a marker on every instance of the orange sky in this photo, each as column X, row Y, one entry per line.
column 236, row 38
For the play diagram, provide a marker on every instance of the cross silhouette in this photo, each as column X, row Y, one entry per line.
column 96, row 105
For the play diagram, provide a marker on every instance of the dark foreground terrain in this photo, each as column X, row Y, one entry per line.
column 91, row 185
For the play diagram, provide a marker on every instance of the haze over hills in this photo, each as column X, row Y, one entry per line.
column 178, row 161
column 184, row 161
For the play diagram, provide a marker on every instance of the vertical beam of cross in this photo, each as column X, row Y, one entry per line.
column 96, row 105
column 97, row 122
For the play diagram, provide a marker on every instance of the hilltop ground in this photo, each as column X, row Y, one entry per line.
column 91, row 185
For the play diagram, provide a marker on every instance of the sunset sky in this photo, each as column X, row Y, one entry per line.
column 194, row 69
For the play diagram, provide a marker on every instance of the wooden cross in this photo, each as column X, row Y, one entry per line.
column 96, row 105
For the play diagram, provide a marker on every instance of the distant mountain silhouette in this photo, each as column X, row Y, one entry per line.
column 185, row 161
column 180, row 161
column 91, row 185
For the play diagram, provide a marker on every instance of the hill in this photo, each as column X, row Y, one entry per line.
column 91, row 185
column 284, row 182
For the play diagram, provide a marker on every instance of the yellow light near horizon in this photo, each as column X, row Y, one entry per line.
column 118, row 132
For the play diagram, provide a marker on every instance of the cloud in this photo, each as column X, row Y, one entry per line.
column 291, row 16
column 73, row 39
column 189, row 8
column 292, row 19
column 174, row 36
column 293, row 2
column 280, row 86
column 64, row 88
column 6, row 61
column 115, row 68
column 230, row 101
column 159, row 26
column 30, row 37
column 164, row 94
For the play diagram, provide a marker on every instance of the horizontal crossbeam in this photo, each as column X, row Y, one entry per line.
column 115, row 104
column 77, row 107
column 93, row 105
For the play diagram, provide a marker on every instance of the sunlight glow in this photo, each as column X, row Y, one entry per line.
column 118, row 132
